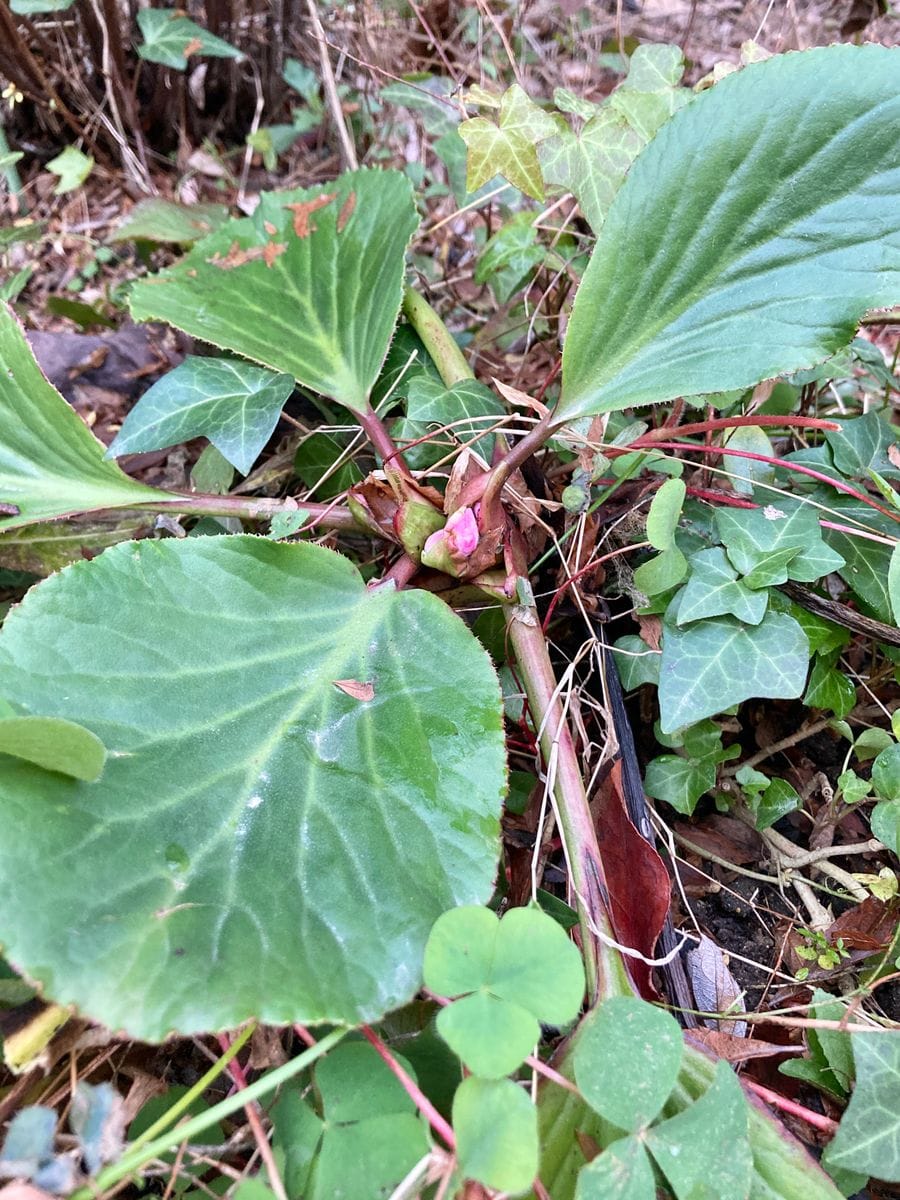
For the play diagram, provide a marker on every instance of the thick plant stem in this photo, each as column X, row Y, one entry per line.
column 605, row 971
column 252, row 508
column 438, row 341
column 375, row 431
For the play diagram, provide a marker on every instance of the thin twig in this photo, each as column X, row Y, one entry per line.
column 348, row 150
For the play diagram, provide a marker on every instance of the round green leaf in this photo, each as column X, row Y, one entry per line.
column 621, row 1172
column 492, row 1037
column 665, row 509
column 704, row 1151
column 627, row 1059
column 55, row 745
column 886, row 772
column 460, row 950
column 310, row 285
column 302, row 776
column 496, row 1134
column 749, row 237
column 538, row 966
column 372, row 1135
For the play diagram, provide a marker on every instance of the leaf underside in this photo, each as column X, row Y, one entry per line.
column 51, row 465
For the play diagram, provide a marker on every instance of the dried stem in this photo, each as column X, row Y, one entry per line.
column 605, row 970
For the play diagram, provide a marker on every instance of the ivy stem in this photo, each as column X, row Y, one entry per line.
column 437, row 339
column 412, row 1089
column 606, row 973
column 375, row 431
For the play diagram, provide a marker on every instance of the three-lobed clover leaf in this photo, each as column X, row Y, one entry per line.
column 510, row 975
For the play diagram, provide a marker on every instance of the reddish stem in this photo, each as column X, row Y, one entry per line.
column 720, row 498
column 253, row 1120
column 817, row 1120
column 382, row 440
column 399, row 573
column 738, row 422
column 412, row 1089
column 595, row 562
column 640, row 444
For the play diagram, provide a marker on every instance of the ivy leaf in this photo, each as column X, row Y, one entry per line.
column 170, row 38
column 509, row 147
column 894, row 583
column 517, row 972
column 754, row 536
column 713, row 664
column 496, row 1134
column 51, row 465
column 72, row 167
column 861, row 445
column 233, row 404
column 713, row 590
column 310, row 285
column 868, row 1137
column 592, row 163
column 627, row 1060
column 679, row 781
column 867, row 563
column 748, row 239
column 240, row 761
column 704, row 1152
column 886, row 772
column 469, row 407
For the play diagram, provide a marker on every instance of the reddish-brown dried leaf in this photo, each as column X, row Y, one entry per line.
column 636, row 879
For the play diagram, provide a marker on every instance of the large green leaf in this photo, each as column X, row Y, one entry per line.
column 309, row 285
column 749, row 237
column 230, row 402
column 301, row 776
column 50, row 463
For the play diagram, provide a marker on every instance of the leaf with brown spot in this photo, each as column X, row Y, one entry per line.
column 192, row 47
column 236, row 257
column 355, row 689
column 346, row 212
column 270, row 228
column 303, row 210
column 272, row 250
